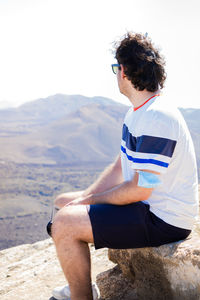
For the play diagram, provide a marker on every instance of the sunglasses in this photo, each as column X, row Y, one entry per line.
column 115, row 68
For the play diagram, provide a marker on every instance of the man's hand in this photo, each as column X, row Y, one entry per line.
column 83, row 200
column 65, row 198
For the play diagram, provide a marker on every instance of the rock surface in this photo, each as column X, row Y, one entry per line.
column 31, row 271
column 168, row 272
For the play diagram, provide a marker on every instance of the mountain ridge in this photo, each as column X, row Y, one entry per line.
column 58, row 137
column 55, row 129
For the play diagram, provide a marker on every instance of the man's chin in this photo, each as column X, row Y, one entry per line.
column 122, row 92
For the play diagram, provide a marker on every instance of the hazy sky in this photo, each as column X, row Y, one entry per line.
column 61, row 46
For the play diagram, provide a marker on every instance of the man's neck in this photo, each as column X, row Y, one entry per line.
column 137, row 98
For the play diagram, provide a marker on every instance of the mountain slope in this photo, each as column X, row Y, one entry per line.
column 91, row 133
column 70, row 129
column 192, row 118
column 45, row 110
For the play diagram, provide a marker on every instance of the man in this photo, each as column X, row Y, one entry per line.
column 148, row 196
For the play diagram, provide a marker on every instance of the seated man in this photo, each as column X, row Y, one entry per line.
column 149, row 195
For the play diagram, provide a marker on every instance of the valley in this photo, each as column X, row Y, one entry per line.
column 27, row 194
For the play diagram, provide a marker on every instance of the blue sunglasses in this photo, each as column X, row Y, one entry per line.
column 115, row 68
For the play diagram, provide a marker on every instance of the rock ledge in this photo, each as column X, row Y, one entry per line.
column 171, row 271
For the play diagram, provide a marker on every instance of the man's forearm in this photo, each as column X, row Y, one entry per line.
column 123, row 194
column 110, row 177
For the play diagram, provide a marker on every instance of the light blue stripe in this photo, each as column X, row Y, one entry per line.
column 145, row 161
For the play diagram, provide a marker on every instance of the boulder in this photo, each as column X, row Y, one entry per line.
column 168, row 272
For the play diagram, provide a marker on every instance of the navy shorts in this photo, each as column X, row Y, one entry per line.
column 130, row 226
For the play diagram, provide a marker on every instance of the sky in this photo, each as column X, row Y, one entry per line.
column 60, row 46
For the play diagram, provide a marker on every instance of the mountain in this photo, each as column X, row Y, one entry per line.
column 62, row 129
column 45, row 110
column 192, row 118
column 70, row 129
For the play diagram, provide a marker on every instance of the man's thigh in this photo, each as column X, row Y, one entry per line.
column 119, row 226
column 73, row 221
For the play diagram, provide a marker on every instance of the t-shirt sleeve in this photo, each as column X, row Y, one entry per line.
column 153, row 148
column 153, row 153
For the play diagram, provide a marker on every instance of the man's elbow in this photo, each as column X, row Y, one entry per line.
column 144, row 193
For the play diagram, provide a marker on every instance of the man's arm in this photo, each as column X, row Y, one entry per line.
column 125, row 193
column 122, row 194
column 110, row 177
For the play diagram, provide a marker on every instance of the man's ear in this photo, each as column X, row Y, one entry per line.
column 122, row 72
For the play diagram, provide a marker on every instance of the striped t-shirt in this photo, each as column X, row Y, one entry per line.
column 155, row 137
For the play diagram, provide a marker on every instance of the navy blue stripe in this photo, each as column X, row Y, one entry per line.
column 148, row 144
column 128, row 138
column 145, row 161
column 156, row 145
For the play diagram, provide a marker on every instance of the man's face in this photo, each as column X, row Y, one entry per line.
column 121, row 80
column 118, row 69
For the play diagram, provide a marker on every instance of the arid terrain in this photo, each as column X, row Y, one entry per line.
column 27, row 194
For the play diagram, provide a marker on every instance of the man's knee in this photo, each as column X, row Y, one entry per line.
column 72, row 222
column 59, row 202
column 63, row 224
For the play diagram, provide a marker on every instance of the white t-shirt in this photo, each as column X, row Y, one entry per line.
column 155, row 137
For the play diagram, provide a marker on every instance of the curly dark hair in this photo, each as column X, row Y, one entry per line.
column 142, row 62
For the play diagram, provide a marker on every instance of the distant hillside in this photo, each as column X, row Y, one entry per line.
column 44, row 111
column 62, row 129
column 192, row 118
column 70, row 129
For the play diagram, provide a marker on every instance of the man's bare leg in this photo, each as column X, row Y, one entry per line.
column 71, row 232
